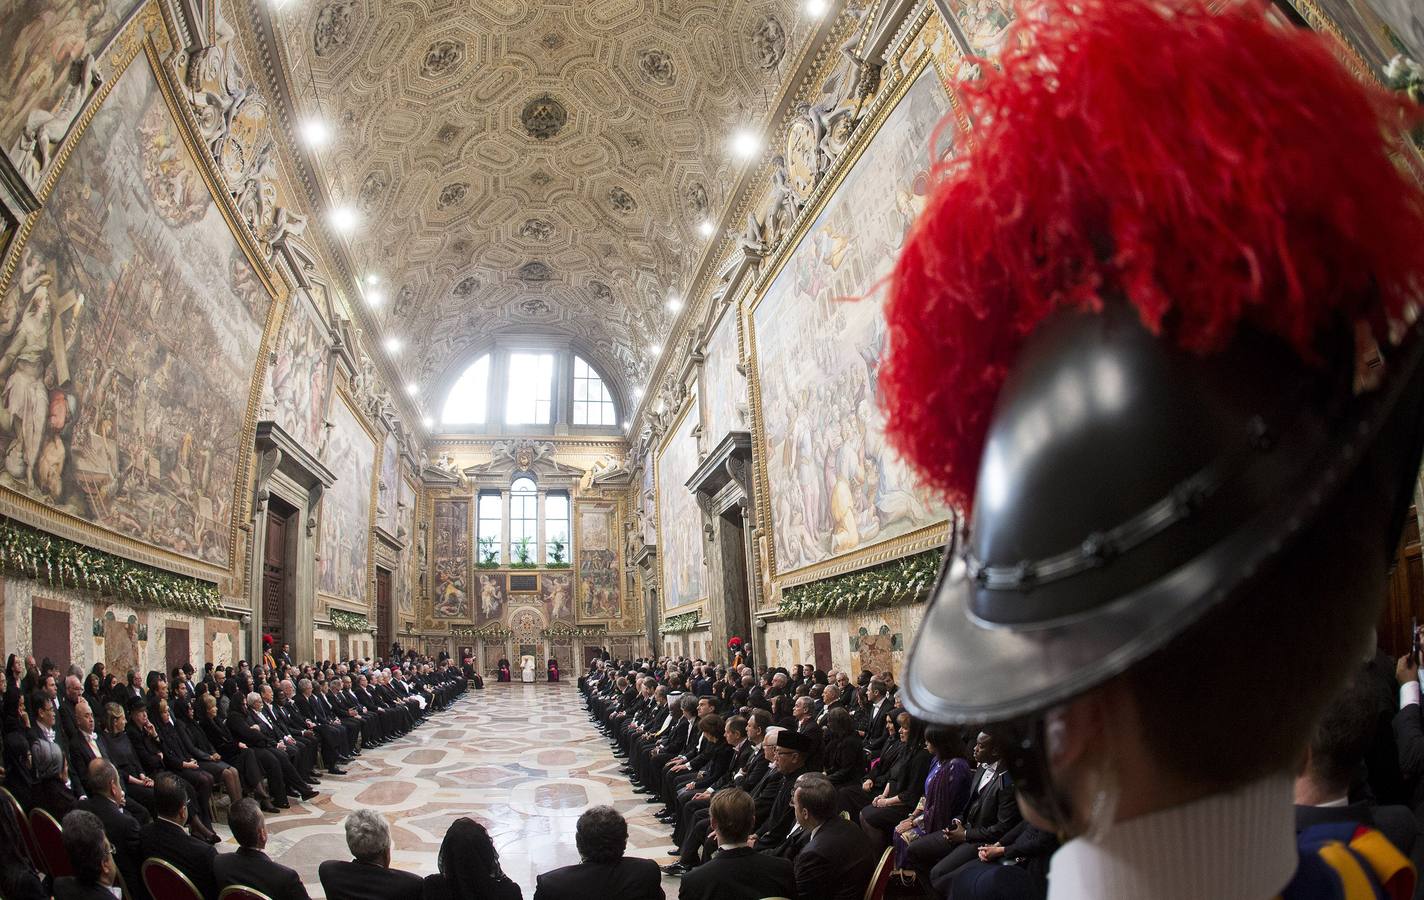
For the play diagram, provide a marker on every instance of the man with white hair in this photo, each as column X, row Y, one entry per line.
column 248, row 727
column 369, row 875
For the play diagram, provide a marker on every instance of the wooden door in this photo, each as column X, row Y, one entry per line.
column 175, row 647
column 383, row 612
column 50, row 637
column 274, row 578
column 1405, row 603
column 821, row 640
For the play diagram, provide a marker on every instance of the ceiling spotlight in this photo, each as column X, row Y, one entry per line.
column 627, row 425
column 637, row 393
column 412, row 389
column 343, row 218
column 746, row 144
column 815, row 8
column 674, row 303
column 655, row 349
column 373, row 279
column 375, row 298
column 393, row 345
column 705, row 228
column 428, row 422
column 315, row 132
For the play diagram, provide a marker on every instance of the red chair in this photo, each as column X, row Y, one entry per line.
column 238, row 892
column 23, row 824
column 164, row 880
column 880, row 881
column 49, row 840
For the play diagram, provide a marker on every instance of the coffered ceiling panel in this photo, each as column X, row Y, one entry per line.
column 530, row 165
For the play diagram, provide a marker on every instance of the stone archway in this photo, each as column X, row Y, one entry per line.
column 526, row 624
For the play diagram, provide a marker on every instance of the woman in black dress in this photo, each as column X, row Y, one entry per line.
column 469, row 867
column 904, row 782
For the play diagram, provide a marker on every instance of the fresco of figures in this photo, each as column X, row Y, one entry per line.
column 493, row 588
column 47, row 67
column 835, row 485
column 598, row 568
column 405, row 533
column 725, row 388
column 984, row 24
column 388, row 488
column 679, row 519
column 648, row 501
column 130, row 332
column 557, row 591
column 346, row 507
column 1371, row 35
column 450, row 560
column 299, row 375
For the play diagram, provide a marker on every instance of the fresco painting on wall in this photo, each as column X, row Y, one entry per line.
column 1370, row 35
column 679, row 519
column 388, row 489
column 121, row 650
column 726, row 388
column 299, row 375
column 451, row 560
column 557, row 590
column 220, row 641
column 983, row 24
column 44, row 39
column 1406, row 18
column 494, row 591
column 598, row 569
column 129, row 336
column 835, row 485
column 405, row 532
column 346, row 507
column 650, row 506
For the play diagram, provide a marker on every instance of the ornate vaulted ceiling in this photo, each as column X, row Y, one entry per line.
column 533, row 165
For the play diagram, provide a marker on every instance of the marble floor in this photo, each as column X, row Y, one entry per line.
column 523, row 759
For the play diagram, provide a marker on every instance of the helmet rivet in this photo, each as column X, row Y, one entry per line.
column 1024, row 573
column 1097, row 548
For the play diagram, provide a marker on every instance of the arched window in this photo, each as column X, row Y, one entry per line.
column 593, row 405
column 531, row 389
column 523, row 521
column 468, row 401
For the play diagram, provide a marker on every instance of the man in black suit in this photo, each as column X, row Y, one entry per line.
column 601, row 837
column 737, row 872
column 368, row 876
column 321, row 721
column 837, row 860
column 792, row 750
column 167, row 837
column 247, row 728
column 106, row 800
column 249, row 866
column 89, row 857
column 993, row 811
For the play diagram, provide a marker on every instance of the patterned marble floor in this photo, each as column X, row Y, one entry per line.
column 522, row 759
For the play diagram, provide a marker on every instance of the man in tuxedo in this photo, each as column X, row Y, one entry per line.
column 993, row 811
column 249, row 866
column 245, row 726
column 874, row 729
column 368, row 876
column 167, row 837
column 601, row 836
column 837, row 860
column 737, row 872
column 89, row 857
column 373, row 733
column 106, row 800
column 792, row 751
column 324, row 702
column 804, row 711
column 329, row 739
column 319, row 719
column 301, row 748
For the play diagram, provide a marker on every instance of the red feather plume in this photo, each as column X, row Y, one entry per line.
column 1215, row 169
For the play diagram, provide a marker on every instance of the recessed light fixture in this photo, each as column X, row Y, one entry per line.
column 745, row 143
column 412, row 389
column 428, row 422
column 372, row 279
column 674, row 303
column 815, row 8
column 315, row 132
column 655, row 349
column 705, row 228
column 627, row 425
column 343, row 218
column 393, row 345
column 375, row 298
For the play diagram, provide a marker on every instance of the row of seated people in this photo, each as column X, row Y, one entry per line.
column 832, row 791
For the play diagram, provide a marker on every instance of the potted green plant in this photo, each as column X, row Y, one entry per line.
column 489, row 553
column 523, row 556
column 557, row 546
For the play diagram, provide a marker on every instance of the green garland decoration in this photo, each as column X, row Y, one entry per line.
column 565, row 630
column 59, row 562
column 896, row 583
column 342, row 620
column 491, row 631
column 681, row 623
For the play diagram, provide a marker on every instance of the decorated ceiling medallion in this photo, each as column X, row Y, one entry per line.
column 540, row 178
column 404, row 298
column 657, row 67
column 332, row 30
column 601, row 292
column 534, row 306
column 769, row 42
column 460, row 246
column 802, row 155
column 369, row 197
column 552, row 41
column 451, row 194
column 441, row 57
column 448, row 133
column 466, row 288
column 535, row 270
column 697, row 203
column 536, row 230
column 544, row 117
column 621, row 200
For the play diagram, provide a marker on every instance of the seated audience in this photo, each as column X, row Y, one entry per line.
column 1015, row 868
column 921, row 839
column 51, row 791
column 897, row 779
column 837, row 859
column 601, row 836
column 106, row 801
column 992, row 813
column 90, row 858
column 249, row 865
column 469, row 867
column 18, row 878
column 737, row 872
column 167, row 838
column 368, row 876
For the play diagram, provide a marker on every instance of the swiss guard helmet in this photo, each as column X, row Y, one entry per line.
column 1155, row 330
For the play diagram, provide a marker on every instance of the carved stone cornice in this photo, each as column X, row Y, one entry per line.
column 718, row 469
